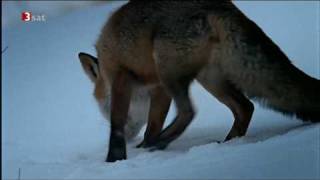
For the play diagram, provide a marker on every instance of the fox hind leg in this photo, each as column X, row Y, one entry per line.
column 242, row 109
column 176, row 72
column 159, row 107
column 180, row 94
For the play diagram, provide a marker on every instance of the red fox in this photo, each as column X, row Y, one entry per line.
column 148, row 53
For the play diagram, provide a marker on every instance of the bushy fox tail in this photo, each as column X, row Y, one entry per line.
column 258, row 67
column 286, row 88
column 303, row 100
column 279, row 85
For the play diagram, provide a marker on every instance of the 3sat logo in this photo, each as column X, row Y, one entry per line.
column 27, row 16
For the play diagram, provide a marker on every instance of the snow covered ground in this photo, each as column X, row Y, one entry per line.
column 52, row 129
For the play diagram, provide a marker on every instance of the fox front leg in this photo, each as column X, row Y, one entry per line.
column 121, row 94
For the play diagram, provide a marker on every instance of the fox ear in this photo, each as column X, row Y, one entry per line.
column 90, row 65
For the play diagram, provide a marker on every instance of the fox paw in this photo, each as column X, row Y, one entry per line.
column 146, row 143
column 143, row 144
column 158, row 145
column 233, row 134
column 112, row 157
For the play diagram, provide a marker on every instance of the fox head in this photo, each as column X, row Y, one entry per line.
column 102, row 93
column 102, row 90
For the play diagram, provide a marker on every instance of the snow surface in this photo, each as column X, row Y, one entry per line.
column 52, row 128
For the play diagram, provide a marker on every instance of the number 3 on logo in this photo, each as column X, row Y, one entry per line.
column 26, row 16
